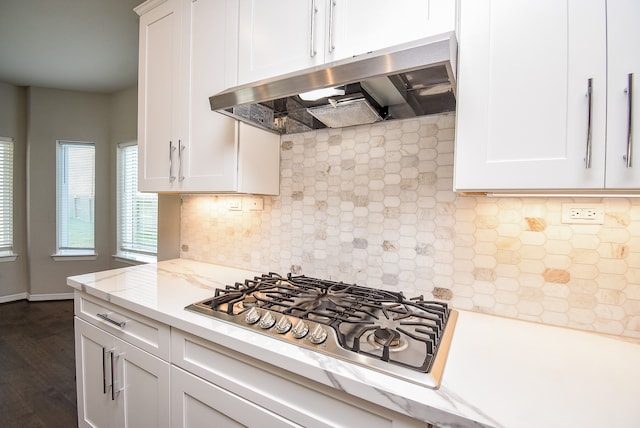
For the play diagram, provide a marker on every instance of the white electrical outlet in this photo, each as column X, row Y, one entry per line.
column 583, row 213
column 256, row 203
column 235, row 204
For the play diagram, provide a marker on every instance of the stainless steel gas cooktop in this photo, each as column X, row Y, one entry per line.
column 378, row 329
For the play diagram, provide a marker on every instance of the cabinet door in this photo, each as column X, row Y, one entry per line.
column 208, row 162
column 623, row 34
column 259, row 168
column 142, row 382
column 93, row 376
column 523, row 105
column 197, row 403
column 159, row 97
column 360, row 26
column 279, row 37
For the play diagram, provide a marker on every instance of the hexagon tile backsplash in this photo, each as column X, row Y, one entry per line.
column 374, row 205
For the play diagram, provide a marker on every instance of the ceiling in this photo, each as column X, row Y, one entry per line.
column 83, row 45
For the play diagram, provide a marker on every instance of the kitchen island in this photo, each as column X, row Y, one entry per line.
column 499, row 372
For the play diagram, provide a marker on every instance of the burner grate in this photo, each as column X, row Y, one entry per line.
column 379, row 324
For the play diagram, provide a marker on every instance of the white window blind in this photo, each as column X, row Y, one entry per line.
column 137, row 212
column 75, row 195
column 6, row 195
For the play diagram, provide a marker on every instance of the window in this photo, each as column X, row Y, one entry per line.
column 75, row 193
column 6, row 198
column 137, row 212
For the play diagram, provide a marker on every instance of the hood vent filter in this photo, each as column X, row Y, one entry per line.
column 346, row 113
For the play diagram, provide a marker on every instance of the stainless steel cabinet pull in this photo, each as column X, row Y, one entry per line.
column 106, row 351
column 172, row 178
column 629, row 92
column 332, row 45
column 112, row 321
column 113, row 394
column 113, row 378
column 181, row 148
column 314, row 10
column 114, row 381
column 104, row 372
column 587, row 159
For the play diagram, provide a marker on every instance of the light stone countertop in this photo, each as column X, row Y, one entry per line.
column 499, row 373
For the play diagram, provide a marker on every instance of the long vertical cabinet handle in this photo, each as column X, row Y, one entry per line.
column 172, row 177
column 113, row 378
column 629, row 92
column 105, row 385
column 332, row 45
column 314, row 11
column 181, row 148
column 104, row 372
column 587, row 159
column 112, row 362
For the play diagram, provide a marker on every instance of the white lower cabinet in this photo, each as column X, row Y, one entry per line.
column 122, row 369
column 95, row 406
column 119, row 385
column 133, row 371
column 197, row 403
column 215, row 386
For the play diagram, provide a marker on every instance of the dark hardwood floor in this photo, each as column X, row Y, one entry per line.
column 37, row 365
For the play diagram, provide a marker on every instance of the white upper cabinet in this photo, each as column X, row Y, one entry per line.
column 623, row 99
column 532, row 94
column 276, row 37
column 160, row 96
column 523, row 105
column 289, row 35
column 361, row 26
column 183, row 145
column 210, row 157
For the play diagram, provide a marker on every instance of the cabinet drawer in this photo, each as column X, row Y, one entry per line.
column 198, row 403
column 145, row 333
column 293, row 397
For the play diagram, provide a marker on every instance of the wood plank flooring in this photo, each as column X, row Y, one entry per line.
column 37, row 365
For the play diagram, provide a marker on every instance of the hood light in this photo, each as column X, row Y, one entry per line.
column 321, row 93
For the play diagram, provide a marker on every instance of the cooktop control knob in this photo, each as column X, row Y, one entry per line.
column 267, row 320
column 253, row 316
column 283, row 325
column 300, row 330
column 318, row 335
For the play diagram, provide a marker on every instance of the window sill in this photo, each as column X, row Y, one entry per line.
column 74, row 255
column 8, row 256
column 134, row 258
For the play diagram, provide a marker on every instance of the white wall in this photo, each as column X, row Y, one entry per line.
column 74, row 116
column 35, row 118
column 13, row 275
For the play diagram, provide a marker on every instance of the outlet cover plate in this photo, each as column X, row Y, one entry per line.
column 583, row 213
column 235, row 204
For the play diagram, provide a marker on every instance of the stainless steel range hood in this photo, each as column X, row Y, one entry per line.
column 408, row 80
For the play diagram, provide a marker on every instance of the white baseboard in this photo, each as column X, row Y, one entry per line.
column 42, row 297
column 13, row 297
column 36, row 297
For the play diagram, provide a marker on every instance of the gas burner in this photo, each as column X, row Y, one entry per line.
column 376, row 328
column 385, row 337
column 248, row 302
column 373, row 345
